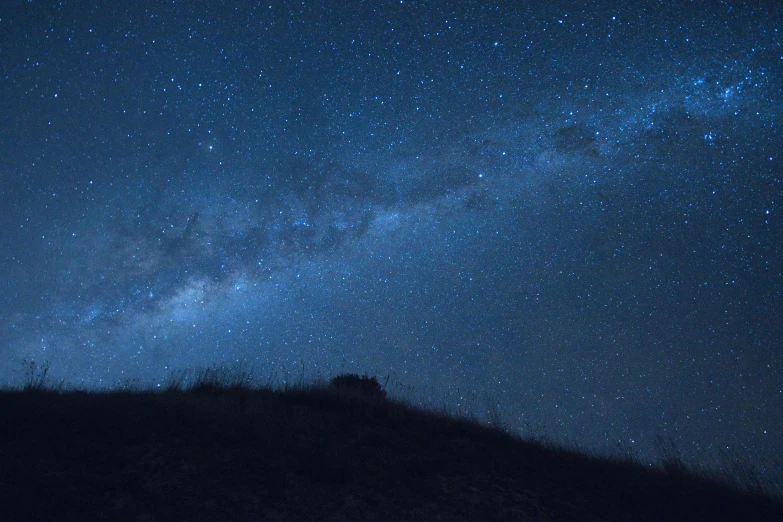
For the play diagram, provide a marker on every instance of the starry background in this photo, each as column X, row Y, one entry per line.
column 569, row 212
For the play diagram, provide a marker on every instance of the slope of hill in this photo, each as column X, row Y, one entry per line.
column 314, row 454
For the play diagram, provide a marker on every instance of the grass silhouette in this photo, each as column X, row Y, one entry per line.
column 213, row 444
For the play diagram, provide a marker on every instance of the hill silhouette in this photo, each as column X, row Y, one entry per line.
column 224, row 450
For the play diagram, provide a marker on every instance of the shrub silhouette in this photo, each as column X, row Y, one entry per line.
column 364, row 386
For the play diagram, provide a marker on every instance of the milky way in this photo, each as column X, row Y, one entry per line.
column 569, row 213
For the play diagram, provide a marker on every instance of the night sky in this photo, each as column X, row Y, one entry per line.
column 570, row 210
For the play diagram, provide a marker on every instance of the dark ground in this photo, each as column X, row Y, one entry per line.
column 314, row 455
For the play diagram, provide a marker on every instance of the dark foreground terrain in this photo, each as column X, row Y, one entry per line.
column 316, row 454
